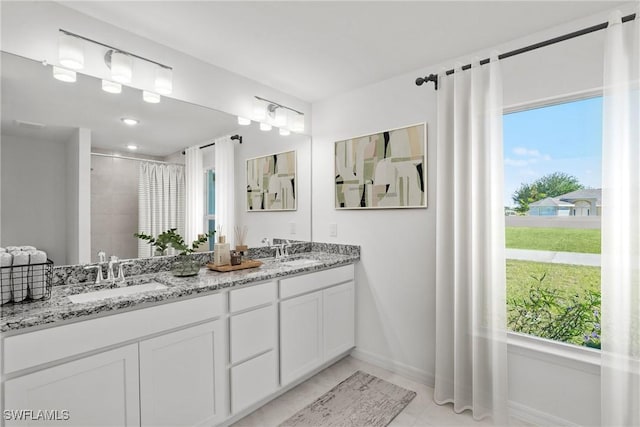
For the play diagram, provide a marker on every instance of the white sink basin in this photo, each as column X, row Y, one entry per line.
column 115, row 292
column 302, row 262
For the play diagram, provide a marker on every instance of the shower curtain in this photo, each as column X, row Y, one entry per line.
column 161, row 201
column 225, row 187
column 471, row 352
column 620, row 380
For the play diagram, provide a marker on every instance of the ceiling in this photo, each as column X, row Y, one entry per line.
column 317, row 49
column 31, row 94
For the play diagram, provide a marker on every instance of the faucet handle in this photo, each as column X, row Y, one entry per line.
column 266, row 241
column 102, row 257
column 120, row 277
column 99, row 276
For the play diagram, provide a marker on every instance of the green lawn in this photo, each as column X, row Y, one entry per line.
column 570, row 279
column 554, row 239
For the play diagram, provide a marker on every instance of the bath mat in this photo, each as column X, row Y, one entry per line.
column 360, row 400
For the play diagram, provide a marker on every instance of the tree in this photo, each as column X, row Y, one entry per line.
column 551, row 185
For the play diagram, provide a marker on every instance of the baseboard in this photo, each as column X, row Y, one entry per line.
column 534, row 416
column 407, row 371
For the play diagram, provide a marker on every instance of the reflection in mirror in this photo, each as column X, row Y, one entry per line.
column 70, row 167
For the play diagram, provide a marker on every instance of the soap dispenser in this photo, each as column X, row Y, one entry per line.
column 221, row 252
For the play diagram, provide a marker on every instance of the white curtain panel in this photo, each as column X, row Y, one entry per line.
column 161, row 201
column 621, row 226
column 471, row 352
column 225, row 187
column 194, row 179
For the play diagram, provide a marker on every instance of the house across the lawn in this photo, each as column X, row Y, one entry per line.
column 577, row 203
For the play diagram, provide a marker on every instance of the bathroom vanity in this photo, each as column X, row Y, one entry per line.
column 205, row 350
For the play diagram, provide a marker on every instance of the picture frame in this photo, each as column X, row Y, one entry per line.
column 383, row 170
column 271, row 182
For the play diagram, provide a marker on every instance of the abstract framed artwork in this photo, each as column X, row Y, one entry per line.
column 385, row 170
column 271, row 183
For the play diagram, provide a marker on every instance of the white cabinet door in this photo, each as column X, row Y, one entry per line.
column 99, row 390
column 339, row 320
column 300, row 336
column 253, row 380
column 181, row 377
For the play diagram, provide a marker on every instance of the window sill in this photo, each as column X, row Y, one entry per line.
column 572, row 356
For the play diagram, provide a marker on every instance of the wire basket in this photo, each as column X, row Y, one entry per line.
column 26, row 283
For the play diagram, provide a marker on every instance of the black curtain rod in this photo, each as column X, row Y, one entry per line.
column 233, row 138
column 434, row 77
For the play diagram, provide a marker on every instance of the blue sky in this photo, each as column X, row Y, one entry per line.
column 559, row 138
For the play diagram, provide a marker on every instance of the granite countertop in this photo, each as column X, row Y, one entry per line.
column 58, row 309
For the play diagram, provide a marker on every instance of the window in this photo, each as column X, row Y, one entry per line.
column 552, row 183
column 210, row 204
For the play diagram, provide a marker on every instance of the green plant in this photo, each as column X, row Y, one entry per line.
column 173, row 239
column 549, row 313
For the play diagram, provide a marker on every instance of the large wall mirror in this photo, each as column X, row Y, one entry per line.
column 49, row 126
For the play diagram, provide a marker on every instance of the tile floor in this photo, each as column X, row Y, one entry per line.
column 422, row 411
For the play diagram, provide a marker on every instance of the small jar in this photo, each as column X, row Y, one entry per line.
column 236, row 258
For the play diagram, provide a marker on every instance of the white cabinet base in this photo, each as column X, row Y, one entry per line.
column 99, row 390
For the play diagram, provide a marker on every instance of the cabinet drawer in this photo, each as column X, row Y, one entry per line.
column 241, row 299
column 252, row 381
column 25, row 350
column 314, row 281
column 252, row 333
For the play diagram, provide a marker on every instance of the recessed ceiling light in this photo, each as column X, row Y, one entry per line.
column 132, row 147
column 129, row 121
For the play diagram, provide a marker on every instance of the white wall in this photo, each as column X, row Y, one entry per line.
column 257, row 143
column 396, row 275
column 33, row 176
column 31, row 29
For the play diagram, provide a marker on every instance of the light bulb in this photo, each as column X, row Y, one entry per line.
column 164, row 80
column 297, row 123
column 259, row 110
column 265, row 127
column 284, row 132
column 111, row 87
column 70, row 51
column 132, row 147
column 243, row 121
column 121, row 67
column 64, row 75
column 150, row 97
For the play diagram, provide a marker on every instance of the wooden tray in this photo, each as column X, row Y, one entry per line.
column 242, row 266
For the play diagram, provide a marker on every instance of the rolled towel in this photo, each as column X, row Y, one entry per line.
column 12, row 248
column 27, row 248
column 2, row 250
column 5, row 277
column 37, row 276
column 19, row 284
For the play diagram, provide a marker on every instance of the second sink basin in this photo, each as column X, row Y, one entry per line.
column 115, row 292
column 302, row 262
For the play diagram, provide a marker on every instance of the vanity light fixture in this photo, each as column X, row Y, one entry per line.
column 70, row 51
column 64, row 75
column 265, row 126
column 272, row 113
column 150, row 97
column 243, row 121
column 111, row 87
column 121, row 67
column 284, row 131
column 129, row 121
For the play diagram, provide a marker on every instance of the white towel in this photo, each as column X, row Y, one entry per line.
column 12, row 248
column 2, row 250
column 37, row 276
column 5, row 277
column 19, row 275
column 27, row 248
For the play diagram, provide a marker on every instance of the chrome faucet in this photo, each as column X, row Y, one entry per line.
column 266, row 241
column 102, row 259
column 121, row 279
column 285, row 247
column 110, row 275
